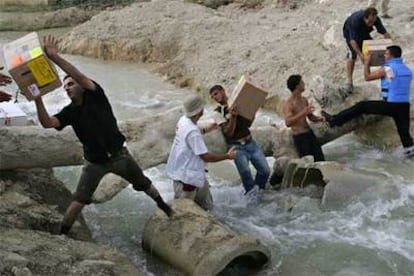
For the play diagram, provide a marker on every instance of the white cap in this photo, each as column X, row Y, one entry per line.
column 193, row 106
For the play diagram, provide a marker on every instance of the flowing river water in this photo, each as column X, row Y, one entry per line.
column 371, row 235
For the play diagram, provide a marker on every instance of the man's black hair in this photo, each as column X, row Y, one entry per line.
column 370, row 11
column 65, row 77
column 216, row 87
column 293, row 81
column 395, row 51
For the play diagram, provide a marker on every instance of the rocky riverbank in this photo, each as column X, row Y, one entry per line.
column 196, row 46
column 32, row 203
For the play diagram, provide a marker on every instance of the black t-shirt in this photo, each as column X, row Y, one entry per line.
column 355, row 28
column 94, row 124
column 242, row 125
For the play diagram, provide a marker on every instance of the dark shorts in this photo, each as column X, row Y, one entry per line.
column 307, row 144
column 350, row 51
column 121, row 164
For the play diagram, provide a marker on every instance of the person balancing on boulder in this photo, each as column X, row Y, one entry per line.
column 395, row 86
column 91, row 117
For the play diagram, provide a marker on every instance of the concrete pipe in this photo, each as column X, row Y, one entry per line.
column 194, row 242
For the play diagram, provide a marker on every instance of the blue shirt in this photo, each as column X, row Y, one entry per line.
column 356, row 29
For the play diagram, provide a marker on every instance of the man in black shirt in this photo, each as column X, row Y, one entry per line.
column 91, row 117
column 356, row 29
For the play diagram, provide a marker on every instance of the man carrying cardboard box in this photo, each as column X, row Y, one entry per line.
column 395, row 86
column 236, row 131
column 296, row 110
column 33, row 73
column 356, row 29
column 4, row 80
column 91, row 117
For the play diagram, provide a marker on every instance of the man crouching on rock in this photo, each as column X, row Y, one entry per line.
column 91, row 117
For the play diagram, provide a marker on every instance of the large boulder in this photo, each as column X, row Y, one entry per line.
column 28, row 252
column 35, row 199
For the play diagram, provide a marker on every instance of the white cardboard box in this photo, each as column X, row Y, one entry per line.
column 12, row 115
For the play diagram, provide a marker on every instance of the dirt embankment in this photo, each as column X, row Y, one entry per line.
column 39, row 20
column 197, row 46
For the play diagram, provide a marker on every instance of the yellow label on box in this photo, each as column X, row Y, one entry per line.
column 34, row 53
column 41, row 71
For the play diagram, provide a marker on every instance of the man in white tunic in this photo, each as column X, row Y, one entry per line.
column 189, row 153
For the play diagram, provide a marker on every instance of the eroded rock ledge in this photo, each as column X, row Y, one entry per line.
column 32, row 203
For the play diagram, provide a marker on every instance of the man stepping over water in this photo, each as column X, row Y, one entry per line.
column 395, row 79
column 91, row 117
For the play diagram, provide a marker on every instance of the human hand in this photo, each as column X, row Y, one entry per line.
column 233, row 110
column 210, row 127
column 309, row 109
column 4, row 80
column 50, row 46
column 4, row 97
column 232, row 153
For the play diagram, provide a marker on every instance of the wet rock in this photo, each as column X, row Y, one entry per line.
column 41, row 253
column 304, row 172
column 35, row 199
column 110, row 185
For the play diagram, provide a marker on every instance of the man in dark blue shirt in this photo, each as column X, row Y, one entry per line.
column 357, row 28
column 91, row 117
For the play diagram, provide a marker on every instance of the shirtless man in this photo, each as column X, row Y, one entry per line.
column 295, row 111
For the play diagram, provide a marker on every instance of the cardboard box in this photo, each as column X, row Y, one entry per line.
column 247, row 97
column 12, row 115
column 377, row 47
column 30, row 68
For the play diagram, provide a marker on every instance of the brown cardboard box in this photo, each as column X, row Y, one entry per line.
column 247, row 97
column 30, row 68
column 377, row 47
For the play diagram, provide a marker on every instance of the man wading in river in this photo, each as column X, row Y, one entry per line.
column 91, row 117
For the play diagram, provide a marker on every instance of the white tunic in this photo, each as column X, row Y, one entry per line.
column 184, row 163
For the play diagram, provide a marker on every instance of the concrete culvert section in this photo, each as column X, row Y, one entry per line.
column 194, row 242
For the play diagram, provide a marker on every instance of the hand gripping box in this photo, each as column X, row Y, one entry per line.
column 30, row 68
column 377, row 47
column 12, row 115
column 247, row 98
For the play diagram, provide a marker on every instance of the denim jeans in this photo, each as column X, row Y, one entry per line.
column 253, row 153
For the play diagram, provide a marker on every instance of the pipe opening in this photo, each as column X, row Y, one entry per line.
column 246, row 264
